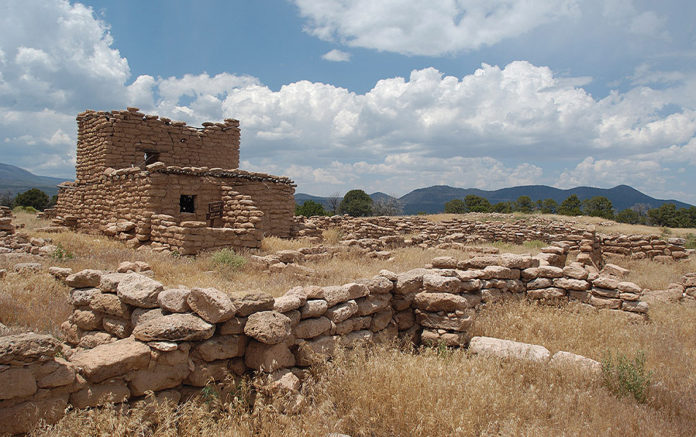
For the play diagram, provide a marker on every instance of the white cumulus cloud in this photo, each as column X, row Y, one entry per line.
column 430, row 28
column 336, row 55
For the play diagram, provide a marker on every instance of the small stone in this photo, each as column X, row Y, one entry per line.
column 84, row 278
column 211, row 304
column 269, row 327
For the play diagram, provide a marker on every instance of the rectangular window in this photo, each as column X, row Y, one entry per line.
column 187, row 203
column 151, row 157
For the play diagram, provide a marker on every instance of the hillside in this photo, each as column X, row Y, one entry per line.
column 432, row 199
column 16, row 180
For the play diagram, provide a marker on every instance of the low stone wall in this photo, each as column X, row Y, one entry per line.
column 459, row 232
column 128, row 335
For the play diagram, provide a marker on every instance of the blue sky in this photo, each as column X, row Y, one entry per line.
column 384, row 96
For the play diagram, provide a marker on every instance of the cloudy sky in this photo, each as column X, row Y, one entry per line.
column 385, row 95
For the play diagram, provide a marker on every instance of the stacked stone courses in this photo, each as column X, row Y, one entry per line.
column 129, row 334
column 460, row 233
column 118, row 190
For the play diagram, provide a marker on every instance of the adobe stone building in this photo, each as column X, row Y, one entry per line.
column 146, row 179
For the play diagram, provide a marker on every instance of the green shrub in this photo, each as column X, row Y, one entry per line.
column 227, row 258
column 29, row 209
column 61, row 254
column 627, row 377
column 690, row 241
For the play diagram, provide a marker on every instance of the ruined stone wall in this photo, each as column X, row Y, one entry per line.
column 454, row 232
column 120, row 139
column 128, row 334
column 121, row 203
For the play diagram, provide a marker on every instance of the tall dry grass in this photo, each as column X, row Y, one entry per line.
column 392, row 391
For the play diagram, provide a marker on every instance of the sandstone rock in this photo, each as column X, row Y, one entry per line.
column 603, row 292
column 138, row 290
column 26, row 348
column 55, row 373
column 26, row 416
column 571, row 284
column 441, row 284
column 606, row 282
column 109, row 282
column 287, row 303
column 235, row 325
column 616, row 271
column 499, row 348
column 222, row 347
column 174, row 300
column 314, row 351
column 444, row 262
column 84, row 278
column 310, row 328
column 313, row 308
column 60, row 272
column 539, row 283
column 562, row 358
column 378, row 285
column 409, row 282
column 82, row 296
column 404, row 319
column 108, row 303
column 372, row 304
column 449, row 321
column 500, row 272
column 433, row 337
column 174, row 327
column 380, row 320
column 92, row 339
column 549, row 293
column 158, row 378
column 575, row 271
column 635, row 307
column 342, row 311
column 269, row 327
column 402, row 301
column 444, row 302
column 211, row 304
column 203, row 372
column 629, row 287
column 16, row 382
column 87, row 319
column 117, row 326
column 355, row 338
column 605, row 303
column 250, row 302
column 268, row 358
column 114, row 391
column 113, row 359
column 520, row 262
column 142, row 315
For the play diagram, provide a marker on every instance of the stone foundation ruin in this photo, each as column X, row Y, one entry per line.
column 146, row 179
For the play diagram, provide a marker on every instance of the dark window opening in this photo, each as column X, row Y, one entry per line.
column 187, row 203
column 151, row 157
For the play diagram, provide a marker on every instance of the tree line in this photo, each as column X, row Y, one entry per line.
column 599, row 206
column 33, row 198
column 356, row 203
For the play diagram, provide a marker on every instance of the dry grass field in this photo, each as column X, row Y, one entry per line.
column 391, row 390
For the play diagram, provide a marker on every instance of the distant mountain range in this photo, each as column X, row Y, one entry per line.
column 15, row 180
column 430, row 200
column 433, row 199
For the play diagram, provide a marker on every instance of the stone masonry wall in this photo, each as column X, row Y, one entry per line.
column 129, row 335
column 457, row 232
column 120, row 139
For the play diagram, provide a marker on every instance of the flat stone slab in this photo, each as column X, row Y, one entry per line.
column 174, row 327
column 26, row 348
column 496, row 347
column 112, row 359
